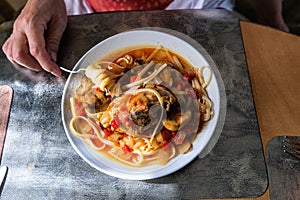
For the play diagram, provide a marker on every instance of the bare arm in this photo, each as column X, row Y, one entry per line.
column 269, row 12
column 36, row 35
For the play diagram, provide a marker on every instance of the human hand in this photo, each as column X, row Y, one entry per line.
column 36, row 35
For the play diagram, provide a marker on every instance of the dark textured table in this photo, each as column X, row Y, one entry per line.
column 43, row 165
column 283, row 170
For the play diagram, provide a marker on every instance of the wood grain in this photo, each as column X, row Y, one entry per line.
column 274, row 68
column 6, row 94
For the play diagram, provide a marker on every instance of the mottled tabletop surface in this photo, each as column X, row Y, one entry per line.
column 283, row 170
column 42, row 163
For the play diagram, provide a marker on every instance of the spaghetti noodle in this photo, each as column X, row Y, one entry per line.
column 145, row 106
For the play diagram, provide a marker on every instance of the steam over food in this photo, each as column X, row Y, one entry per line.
column 141, row 106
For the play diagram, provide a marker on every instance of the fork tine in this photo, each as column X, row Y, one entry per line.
column 294, row 139
column 292, row 153
column 292, row 146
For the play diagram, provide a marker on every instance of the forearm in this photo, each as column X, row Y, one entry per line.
column 269, row 12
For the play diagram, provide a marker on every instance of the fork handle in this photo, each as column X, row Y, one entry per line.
column 71, row 71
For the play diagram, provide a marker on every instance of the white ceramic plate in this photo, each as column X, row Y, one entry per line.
column 180, row 44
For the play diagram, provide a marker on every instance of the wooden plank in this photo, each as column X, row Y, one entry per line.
column 6, row 94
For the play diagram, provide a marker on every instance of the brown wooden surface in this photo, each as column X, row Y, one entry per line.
column 5, row 102
column 274, row 68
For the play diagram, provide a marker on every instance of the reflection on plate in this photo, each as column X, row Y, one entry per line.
column 180, row 44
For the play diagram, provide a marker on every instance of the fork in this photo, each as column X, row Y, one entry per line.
column 70, row 71
column 291, row 145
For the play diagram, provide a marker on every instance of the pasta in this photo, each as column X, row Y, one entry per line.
column 141, row 107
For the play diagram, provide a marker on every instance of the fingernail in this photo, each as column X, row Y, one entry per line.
column 57, row 73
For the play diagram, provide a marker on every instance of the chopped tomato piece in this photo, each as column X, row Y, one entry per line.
column 107, row 132
column 166, row 134
column 114, row 124
column 97, row 89
column 165, row 143
column 127, row 149
column 133, row 78
column 188, row 77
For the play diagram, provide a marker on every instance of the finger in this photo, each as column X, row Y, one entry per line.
column 16, row 50
column 7, row 50
column 53, row 37
column 52, row 44
column 38, row 50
